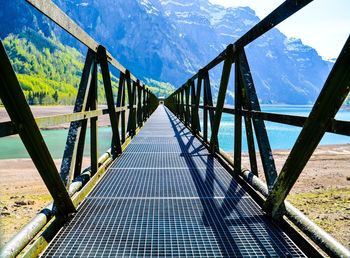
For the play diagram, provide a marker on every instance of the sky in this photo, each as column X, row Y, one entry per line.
column 322, row 24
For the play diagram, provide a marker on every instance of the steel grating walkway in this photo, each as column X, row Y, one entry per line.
column 166, row 196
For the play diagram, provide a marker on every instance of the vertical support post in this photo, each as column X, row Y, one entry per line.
column 143, row 103
column 146, row 103
column 80, row 147
column 182, row 104
column 193, row 101
column 177, row 104
column 123, row 114
column 259, row 124
column 132, row 117
column 197, row 93
column 130, row 102
column 238, row 122
column 221, row 98
column 139, row 105
column 102, row 57
column 120, row 96
column 17, row 108
column 205, row 112
column 209, row 99
column 332, row 96
column 248, row 128
column 131, row 87
column 251, row 145
column 149, row 103
column 187, row 100
column 94, row 122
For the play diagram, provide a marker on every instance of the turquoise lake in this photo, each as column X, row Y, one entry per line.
column 281, row 136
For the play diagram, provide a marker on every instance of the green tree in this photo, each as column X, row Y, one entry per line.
column 55, row 96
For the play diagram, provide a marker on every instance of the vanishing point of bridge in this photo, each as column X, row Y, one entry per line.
column 165, row 188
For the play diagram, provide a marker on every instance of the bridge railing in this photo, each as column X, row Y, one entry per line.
column 185, row 103
column 70, row 185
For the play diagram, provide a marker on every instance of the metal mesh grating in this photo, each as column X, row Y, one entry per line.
column 165, row 148
column 171, row 227
column 165, row 160
column 168, row 183
column 166, row 196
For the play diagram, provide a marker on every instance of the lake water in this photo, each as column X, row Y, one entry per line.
column 281, row 136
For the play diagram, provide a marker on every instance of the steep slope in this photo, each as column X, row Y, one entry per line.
column 285, row 70
column 168, row 40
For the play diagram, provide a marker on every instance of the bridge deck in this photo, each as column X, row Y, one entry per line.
column 166, row 196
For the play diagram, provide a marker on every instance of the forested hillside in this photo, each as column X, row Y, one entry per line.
column 50, row 72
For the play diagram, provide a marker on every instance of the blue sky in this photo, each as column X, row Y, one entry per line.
column 322, row 24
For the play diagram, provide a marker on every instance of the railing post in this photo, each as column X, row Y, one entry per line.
column 238, row 121
column 221, row 98
column 93, row 122
column 134, row 109
column 182, row 104
column 187, row 100
column 251, row 144
column 205, row 112
column 139, row 105
column 123, row 120
column 143, row 103
column 102, row 58
column 193, row 101
column 131, row 96
column 195, row 122
column 119, row 103
column 248, row 128
column 332, row 96
column 177, row 104
column 208, row 99
column 147, row 103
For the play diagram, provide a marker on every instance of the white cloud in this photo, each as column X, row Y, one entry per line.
column 322, row 24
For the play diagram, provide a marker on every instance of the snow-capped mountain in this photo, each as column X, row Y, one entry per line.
column 169, row 40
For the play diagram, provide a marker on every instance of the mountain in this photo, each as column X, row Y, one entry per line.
column 169, row 40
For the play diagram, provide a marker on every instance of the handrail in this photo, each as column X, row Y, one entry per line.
column 184, row 102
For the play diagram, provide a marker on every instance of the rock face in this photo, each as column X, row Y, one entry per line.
column 169, row 40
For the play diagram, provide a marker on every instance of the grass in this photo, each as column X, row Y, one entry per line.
column 330, row 209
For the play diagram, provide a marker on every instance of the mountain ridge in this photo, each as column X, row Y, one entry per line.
column 170, row 40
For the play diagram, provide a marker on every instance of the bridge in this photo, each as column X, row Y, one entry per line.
column 165, row 188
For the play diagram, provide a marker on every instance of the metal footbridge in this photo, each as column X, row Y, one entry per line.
column 167, row 196
column 164, row 188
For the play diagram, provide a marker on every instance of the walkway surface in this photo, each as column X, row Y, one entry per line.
column 166, row 196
